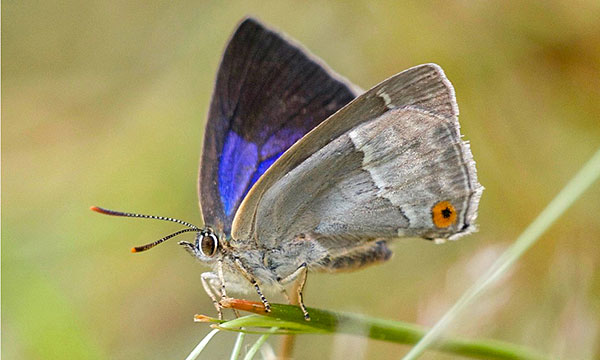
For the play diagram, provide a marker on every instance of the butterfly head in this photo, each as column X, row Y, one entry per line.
column 207, row 246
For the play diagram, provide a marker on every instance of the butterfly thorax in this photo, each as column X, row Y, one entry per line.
column 241, row 259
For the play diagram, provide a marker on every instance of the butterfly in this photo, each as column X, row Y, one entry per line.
column 300, row 173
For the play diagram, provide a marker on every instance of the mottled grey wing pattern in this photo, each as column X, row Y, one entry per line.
column 269, row 92
column 374, row 170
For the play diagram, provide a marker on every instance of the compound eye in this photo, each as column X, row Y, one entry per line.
column 208, row 244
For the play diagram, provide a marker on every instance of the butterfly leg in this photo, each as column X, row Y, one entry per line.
column 250, row 278
column 208, row 279
column 300, row 273
column 221, row 278
column 222, row 287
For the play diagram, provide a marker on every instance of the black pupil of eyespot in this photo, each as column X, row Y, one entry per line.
column 446, row 213
column 208, row 245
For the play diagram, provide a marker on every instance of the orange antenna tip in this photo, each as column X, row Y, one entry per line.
column 100, row 210
column 134, row 250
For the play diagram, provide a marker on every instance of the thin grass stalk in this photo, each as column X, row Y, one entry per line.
column 237, row 347
column 567, row 196
column 257, row 345
column 201, row 345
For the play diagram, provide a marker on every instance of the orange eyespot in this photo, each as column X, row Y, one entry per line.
column 443, row 214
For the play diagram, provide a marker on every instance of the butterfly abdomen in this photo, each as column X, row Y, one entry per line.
column 356, row 258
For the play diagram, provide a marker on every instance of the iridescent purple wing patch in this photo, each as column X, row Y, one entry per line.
column 236, row 168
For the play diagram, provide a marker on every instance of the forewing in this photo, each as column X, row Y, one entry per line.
column 268, row 94
column 376, row 169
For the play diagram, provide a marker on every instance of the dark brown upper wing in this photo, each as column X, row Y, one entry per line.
column 268, row 94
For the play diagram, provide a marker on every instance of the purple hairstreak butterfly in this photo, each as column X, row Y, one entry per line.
column 301, row 172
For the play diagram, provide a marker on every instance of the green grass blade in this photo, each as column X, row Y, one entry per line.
column 568, row 195
column 288, row 318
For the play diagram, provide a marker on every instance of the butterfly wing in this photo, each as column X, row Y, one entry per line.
column 389, row 164
column 268, row 94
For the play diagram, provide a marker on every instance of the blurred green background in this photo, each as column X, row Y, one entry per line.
column 104, row 103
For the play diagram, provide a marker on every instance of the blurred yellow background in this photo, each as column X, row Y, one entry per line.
column 104, row 103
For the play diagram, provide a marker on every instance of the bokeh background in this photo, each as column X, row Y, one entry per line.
column 104, row 103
